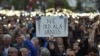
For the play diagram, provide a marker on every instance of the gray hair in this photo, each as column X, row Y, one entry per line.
column 13, row 49
column 23, row 49
column 7, row 36
column 34, row 38
column 44, row 52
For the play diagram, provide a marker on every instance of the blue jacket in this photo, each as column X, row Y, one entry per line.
column 32, row 48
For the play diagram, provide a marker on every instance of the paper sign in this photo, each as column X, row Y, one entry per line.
column 56, row 26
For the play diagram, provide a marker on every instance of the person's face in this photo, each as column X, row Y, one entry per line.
column 76, row 46
column 61, row 48
column 24, row 52
column 23, row 30
column 19, row 39
column 70, row 53
column 82, row 27
column 68, row 50
column 36, row 42
column 59, row 40
column 28, row 36
column 7, row 42
column 12, row 53
column 10, row 31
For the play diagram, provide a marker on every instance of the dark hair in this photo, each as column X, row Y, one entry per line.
column 94, row 50
column 18, row 35
column 96, row 18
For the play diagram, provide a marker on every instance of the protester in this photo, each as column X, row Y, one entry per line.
column 12, row 51
column 24, row 52
column 19, row 42
column 7, row 44
column 83, row 36
column 93, row 52
column 70, row 52
column 44, row 52
column 34, row 51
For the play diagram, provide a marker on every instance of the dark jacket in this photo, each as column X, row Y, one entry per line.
column 55, row 51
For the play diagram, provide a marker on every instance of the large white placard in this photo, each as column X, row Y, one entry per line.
column 56, row 26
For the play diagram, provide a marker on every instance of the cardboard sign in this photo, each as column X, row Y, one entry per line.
column 56, row 26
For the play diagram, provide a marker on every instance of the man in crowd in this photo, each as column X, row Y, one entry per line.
column 70, row 52
column 19, row 42
column 7, row 44
column 12, row 51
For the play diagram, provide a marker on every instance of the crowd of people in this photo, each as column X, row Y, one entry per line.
column 19, row 39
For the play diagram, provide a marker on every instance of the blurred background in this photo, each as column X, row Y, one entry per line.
column 74, row 5
column 18, row 18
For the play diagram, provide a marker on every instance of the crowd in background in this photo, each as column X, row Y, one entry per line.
column 19, row 39
column 74, row 5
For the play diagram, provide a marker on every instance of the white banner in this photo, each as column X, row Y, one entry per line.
column 56, row 26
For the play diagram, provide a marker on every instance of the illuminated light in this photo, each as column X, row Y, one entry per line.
column 76, row 21
column 3, row 12
column 91, row 17
column 9, row 25
column 84, row 14
column 33, row 13
column 30, row 18
column 4, row 17
column 0, row 18
column 49, row 14
column 77, row 17
column 5, row 25
column 10, row 13
column 78, row 40
column 99, row 46
column 73, row 17
column 27, row 18
column 60, row 14
column 24, row 23
column 98, row 22
column 22, row 14
column 26, row 14
column 17, row 20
